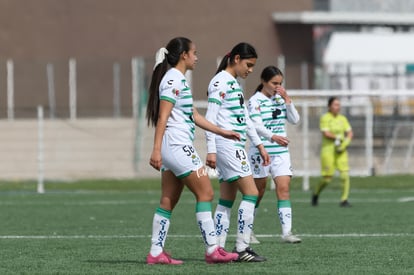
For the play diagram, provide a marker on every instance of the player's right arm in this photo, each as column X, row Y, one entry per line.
column 215, row 100
column 163, row 115
column 324, row 128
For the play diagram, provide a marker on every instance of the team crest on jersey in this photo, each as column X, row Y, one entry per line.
column 222, row 95
column 278, row 100
column 245, row 166
column 256, row 169
column 176, row 92
column 195, row 160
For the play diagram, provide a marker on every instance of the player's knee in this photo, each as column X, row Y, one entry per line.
column 344, row 175
column 206, row 195
column 283, row 194
column 168, row 203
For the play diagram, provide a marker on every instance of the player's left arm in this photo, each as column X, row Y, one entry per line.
column 292, row 114
column 203, row 123
column 349, row 134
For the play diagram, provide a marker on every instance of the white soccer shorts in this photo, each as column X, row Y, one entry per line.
column 280, row 165
column 181, row 159
column 232, row 162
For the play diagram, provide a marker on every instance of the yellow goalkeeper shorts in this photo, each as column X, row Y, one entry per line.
column 331, row 161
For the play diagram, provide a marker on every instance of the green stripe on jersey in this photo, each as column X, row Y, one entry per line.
column 278, row 153
column 214, row 101
column 235, row 108
column 233, row 99
column 169, row 99
column 238, row 124
column 234, row 91
column 187, row 105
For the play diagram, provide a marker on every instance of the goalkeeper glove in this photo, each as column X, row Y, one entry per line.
column 344, row 144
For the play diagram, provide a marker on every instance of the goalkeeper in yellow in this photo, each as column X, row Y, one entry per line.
column 336, row 136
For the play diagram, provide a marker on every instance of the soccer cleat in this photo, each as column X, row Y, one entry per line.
column 253, row 239
column 290, row 238
column 345, row 203
column 221, row 256
column 163, row 258
column 314, row 200
column 248, row 255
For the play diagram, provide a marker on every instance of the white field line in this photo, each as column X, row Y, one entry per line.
column 187, row 201
column 350, row 235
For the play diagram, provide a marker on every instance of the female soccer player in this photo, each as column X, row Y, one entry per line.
column 336, row 136
column 170, row 109
column 269, row 109
column 227, row 109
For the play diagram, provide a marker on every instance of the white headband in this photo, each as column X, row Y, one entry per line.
column 160, row 56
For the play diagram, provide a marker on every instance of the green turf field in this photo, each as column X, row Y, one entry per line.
column 104, row 227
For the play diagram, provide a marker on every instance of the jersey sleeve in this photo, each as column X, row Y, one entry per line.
column 251, row 131
column 254, row 108
column 292, row 114
column 211, row 115
column 216, row 92
column 256, row 118
column 323, row 123
column 169, row 91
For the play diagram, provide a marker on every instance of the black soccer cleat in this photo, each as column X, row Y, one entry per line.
column 345, row 203
column 314, row 201
column 248, row 255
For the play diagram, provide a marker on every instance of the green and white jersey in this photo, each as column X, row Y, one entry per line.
column 231, row 113
column 269, row 116
column 180, row 125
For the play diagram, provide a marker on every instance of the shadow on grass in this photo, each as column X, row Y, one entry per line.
column 143, row 261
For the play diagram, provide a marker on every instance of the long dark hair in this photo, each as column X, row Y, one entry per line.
column 244, row 50
column 267, row 74
column 175, row 48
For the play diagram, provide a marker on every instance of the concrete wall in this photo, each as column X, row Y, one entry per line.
column 100, row 32
column 108, row 148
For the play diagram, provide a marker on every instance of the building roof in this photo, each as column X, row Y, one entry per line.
column 370, row 48
column 344, row 18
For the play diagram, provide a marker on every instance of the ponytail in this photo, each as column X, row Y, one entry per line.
column 244, row 50
column 259, row 88
column 223, row 64
column 153, row 105
column 170, row 55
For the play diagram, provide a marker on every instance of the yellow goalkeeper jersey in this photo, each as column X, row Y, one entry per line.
column 337, row 125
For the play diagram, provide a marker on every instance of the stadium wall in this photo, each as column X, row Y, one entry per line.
column 100, row 32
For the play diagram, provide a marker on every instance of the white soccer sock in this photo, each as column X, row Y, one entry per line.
column 206, row 224
column 160, row 225
column 245, row 220
column 285, row 216
column 222, row 223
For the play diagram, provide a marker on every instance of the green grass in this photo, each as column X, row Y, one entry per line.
column 104, row 227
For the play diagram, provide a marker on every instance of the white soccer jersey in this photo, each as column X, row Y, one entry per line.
column 180, row 124
column 271, row 113
column 232, row 114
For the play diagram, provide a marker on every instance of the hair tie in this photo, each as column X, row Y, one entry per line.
column 228, row 54
column 160, row 56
